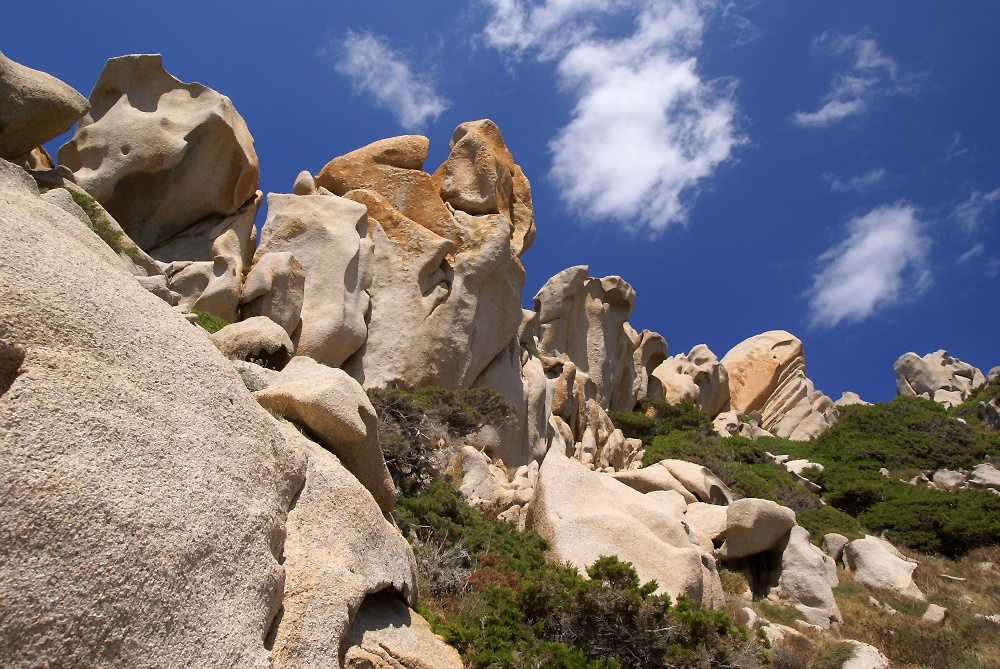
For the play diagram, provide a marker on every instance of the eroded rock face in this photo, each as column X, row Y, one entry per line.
column 34, row 108
column 804, row 582
column 275, row 288
column 585, row 515
column 936, row 376
column 697, row 376
column 127, row 517
column 877, row 564
column 767, row 374
column 754, row 526
column 328, row 237
column 446, row 293
column 160, row 155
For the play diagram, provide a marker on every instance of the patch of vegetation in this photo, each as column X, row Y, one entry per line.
column 517, row 609
column 969, row 409
column 823, row 520
column 100, row 224
column 412, row 423
column 208, row 322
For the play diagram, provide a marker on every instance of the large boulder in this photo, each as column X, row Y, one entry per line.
column 582, row 319
column 255, row 339
column 446, row 293
column 159, row 154
column 985, row 476
column 804, row 581
column 34, row 108
column 877, row 564
column 754, row 526
column 167, row 519
column 480, row 177
column 329, row 238
column 275, row 288
column 936, row 376
column 650, row 350
column 767, row 374
column 337, row 412
column 697, row 376
column 585, row 515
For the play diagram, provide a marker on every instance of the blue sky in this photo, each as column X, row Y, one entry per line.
column 832, row 169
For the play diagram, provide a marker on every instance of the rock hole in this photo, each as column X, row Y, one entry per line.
column 126, row 149
column 11, row 358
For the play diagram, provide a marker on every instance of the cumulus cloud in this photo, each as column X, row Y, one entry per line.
column 871, row 75
column 646, row 129
column 376, row 70
column 882, row 262
column 858, row 183
column 971, row 213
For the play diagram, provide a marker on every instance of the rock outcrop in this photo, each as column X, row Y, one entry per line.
column 166, row 519
column 698, row 377
column 936, row 376
column 34, row 108
column 767, row 374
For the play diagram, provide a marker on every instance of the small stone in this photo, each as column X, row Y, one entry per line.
column 935, row 614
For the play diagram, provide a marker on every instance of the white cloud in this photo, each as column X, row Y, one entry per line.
column 375, row 69
column 974, row 252
column 882, row 262
column 858, row 183
column 970, row 213
column 993, row 267
column 955, row 149
column 872, row 75
column 646, row 129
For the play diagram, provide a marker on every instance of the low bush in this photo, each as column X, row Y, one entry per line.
column 208, row 322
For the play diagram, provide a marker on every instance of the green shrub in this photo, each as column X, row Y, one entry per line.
column 208, row 322
column 822, row 520
column 100, row 224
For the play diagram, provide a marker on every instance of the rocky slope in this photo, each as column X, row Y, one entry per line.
column 168, row 501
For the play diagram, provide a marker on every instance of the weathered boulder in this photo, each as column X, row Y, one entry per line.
column 653, row 478
column 329, row 238
column 710, row 519
column 985, row 476
column 650, row 350
column 697, row 376
column 386, row 634
column 480, row 177
column 256, row 338
column 865, row 656
column 754, row 526
column 34, row 108
column 337, row 412
column 948, row 478
column 936, row 376
column 847, row 398
column 804, row 581
column 158, row 154
column 339, row 550
column 206, row 263
column 989, row 413
column 582, row 319
column 935, row 614
column 834, row 544
column 584, row 515
column 700, row 481
column 877, row 564
column 446, row 296
column 485, row 486
column 275, row 288
column 129, row 516
column 767, row 373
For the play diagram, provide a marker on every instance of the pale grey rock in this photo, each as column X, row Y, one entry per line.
column 834, row 544
column 994, row 375
column 947, row 478
column 849, row 398
column 865, row 657
column 985, row 476
column 754, row 526
column 128, row 517
column 157, row 285
column 728, row 423
column 275, row 288
column 582, row 319
column 160, row 155
column 698, row 376
column 800, row 465
column 936, row 376
column 935, row 614
column 485, row 485
column 304, row 184
column 877, row 564
column 700, row 481
column 329, row 237
column 337, row 412
column 339, row 548
column 670, row 500
column 711, row 519
column 255, row 339
column 34, row 108
column 804, row 582
column 386, row 634
column 585, row 515
column 653, row 478
column 650, row 350
column 989, row 413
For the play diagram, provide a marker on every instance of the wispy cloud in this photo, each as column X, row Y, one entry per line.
column 375, row 69
column 955, row 149
column 646, row 128
column 858, row 183
column 976, row 251
column 871, row 75
column 882, row 262
column 971, row 213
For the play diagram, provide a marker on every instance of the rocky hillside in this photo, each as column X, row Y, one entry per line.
column 218, row 430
